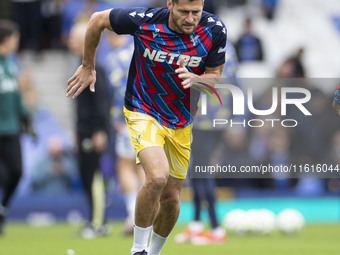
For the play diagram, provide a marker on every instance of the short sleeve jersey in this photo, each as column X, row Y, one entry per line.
column 153, row 87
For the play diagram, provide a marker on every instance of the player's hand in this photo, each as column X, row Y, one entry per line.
column 185, row 75
column 336, row 107
column 82, row 78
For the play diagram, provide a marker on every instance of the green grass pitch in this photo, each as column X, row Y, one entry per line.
column 21, row 239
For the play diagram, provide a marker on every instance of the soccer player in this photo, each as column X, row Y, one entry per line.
column 130, row 175
column 173, row 45
column 93, row 121
column 336, row 101
column 13, row 113
column 205, row 138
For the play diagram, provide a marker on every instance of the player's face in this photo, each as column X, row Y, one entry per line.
column 11, row 43
column 185, row 15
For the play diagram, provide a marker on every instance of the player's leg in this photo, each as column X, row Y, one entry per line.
column 130, row 175
column 211, row 199
column 217, row 233
column 169, row 207
column 148, row 139
column 13, row 161
column 130, row 184
column 93, row 185
column 156, row 168
column 197, row 189
column 86, row 168
column 197, row 184
column 11, row 158
column 167, row 215
column 3, row 181
column 195, row 227
column 86, row 172
column 207, row 186
column 177, row 149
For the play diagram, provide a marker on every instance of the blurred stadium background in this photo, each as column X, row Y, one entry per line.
column 306, row 30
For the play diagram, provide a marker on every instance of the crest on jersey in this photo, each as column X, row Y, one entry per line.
column 194, row 39
column 155, row 34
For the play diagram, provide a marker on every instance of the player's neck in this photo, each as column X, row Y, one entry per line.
column 172, row 26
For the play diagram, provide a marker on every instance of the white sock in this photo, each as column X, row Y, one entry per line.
column 156, row 244
column 130, row 202
column 140, row 239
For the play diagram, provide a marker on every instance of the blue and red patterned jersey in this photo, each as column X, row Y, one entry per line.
column 153, row 87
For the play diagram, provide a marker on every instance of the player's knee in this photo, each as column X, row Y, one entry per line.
column 210, row 196
column 157, row 182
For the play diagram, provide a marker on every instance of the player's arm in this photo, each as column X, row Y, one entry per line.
column 86, row 75
column 212, row 73
column 336, row 101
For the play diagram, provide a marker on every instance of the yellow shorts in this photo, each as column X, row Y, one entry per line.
column 146, row 132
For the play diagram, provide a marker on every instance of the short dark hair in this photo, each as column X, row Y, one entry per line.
column 7, row 28
column 176, row 1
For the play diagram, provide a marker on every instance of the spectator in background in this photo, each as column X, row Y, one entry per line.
column 292, row 67
column 278, row 154
column 249, row 46
column 27, row 14
column 130, row 175
column 56, row 171
column 233, row 149
column 13, row 116
column 311, row 138
column 336, row 101
column 333, row 159
column 75, row 11
column 51, row 23
column 268, row 8
column 92, row 129
column 39, row 22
